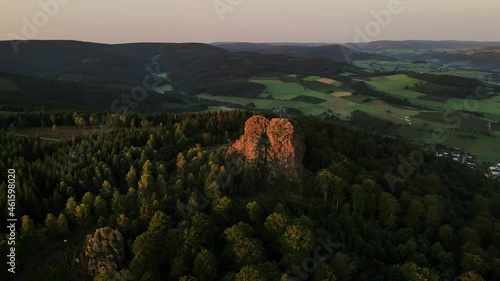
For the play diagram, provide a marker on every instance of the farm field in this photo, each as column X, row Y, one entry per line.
column 327, row 81
column 393, row 119
column 398, row 111
column 338, row 105
column 357, row 98
column 467, row 123
column 259, row 81
column 341, row 94
column 395, row 85
column 285, row 91
column 435, row 67
column 387, row 66
column 396, row 81
column 481, row 75
column 311, row 78
column 485, row 148
column 493, row 117
column 488, row 106
column 268, row 104
column 368, row 109
column 259, row 103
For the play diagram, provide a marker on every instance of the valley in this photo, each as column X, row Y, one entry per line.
column 223, row 161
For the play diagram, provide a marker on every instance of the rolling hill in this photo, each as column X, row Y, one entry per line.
column 420, row 44
column 110, row 71
column 336, row 53
column 483, row 56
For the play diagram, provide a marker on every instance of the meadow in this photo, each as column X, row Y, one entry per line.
column 395, row 85
column 467, row 122
column 461, row 69
column 485, row 148
column 285, row 91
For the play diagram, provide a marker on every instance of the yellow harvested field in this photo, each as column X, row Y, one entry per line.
column 341, row 94
column 326, row 81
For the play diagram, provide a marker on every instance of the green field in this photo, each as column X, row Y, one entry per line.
column 397, row 111
column 387, row 66
column 493, row 117
column 484, row 147
column 395, row 85
column 260, row 103
column 304, row 107
column 286, row 91
column 465, row 123
column 357, row 98
column 435, row 67
column 368, row 109
column 488, row 106
column 311, row 78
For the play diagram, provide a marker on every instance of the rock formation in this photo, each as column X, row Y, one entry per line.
column 275, row 146
column 104, row 251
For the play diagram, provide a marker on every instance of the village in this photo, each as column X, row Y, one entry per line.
column 469, row 160
column 494, row 171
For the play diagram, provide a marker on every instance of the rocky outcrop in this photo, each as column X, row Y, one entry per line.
column 275, row 146
column 104, row 251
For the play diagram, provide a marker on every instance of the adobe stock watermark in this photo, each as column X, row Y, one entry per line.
column 224, row 6
column 310, row 264
column 372, row 29
column 31, row 26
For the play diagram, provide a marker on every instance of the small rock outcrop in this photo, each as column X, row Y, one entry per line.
column 104, row 251
column 275, row 146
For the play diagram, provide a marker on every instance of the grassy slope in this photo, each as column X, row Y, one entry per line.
column 484, row 147
column 395, row 86
column 287, row 91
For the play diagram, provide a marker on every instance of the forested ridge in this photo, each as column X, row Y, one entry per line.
column 160, row 200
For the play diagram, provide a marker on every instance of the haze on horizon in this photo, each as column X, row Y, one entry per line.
column 121, row 21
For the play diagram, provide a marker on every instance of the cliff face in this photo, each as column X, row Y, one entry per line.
column 275, row 146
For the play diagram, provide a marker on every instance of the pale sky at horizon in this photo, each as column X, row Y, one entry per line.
column 328, row 21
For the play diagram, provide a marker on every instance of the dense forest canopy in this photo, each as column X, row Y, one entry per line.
column 154, row 197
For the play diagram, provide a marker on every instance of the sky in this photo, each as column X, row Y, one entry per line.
column 325, row 21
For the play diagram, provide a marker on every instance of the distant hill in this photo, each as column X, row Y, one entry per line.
column 420, row 44
column 207, row 69
column 487, row 59
column 484, row 58
column 111, row 70
column 336, row 53
column 88, row 63
column 23, row 92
